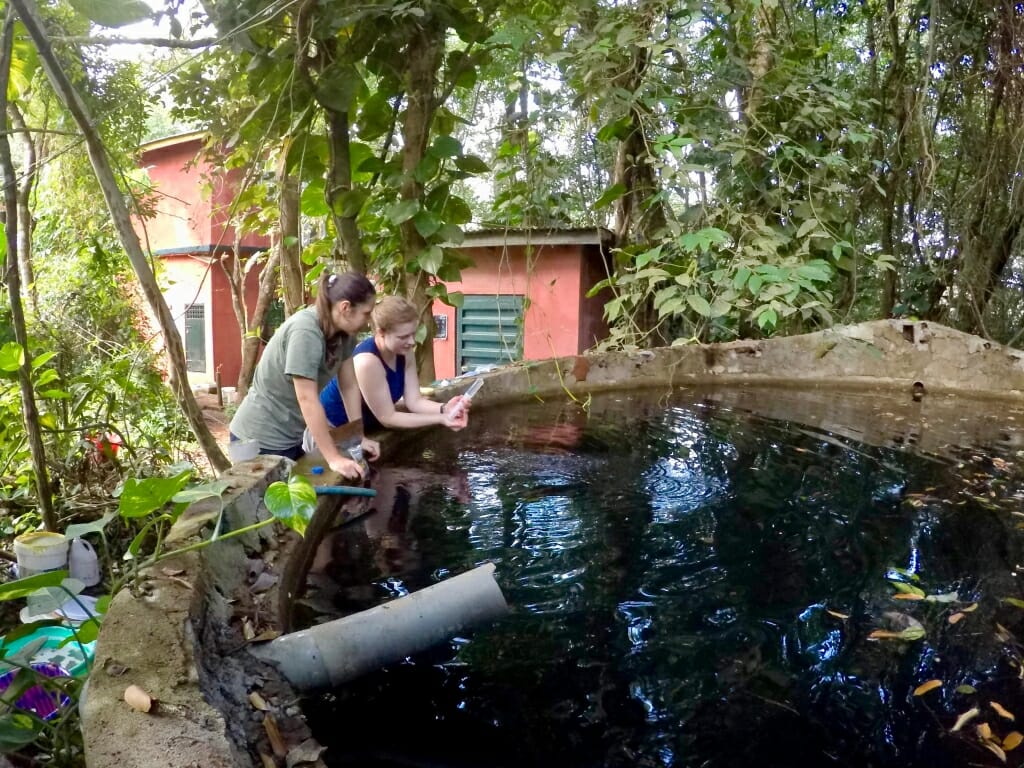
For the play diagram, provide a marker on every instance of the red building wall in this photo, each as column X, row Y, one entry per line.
column 558, row 319
column 190, row 233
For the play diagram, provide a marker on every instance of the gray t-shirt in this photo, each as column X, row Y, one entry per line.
column 270, row 412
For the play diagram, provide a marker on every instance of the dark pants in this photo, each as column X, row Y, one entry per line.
column 294, row 453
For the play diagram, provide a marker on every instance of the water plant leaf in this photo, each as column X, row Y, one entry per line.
column 1015, row 602
column 908, row 589
column 96, row 526
column 955, row 617
column 995, row 750
column 141, row 497
column 911, row 633
column 1012, row 741
column 1001, row 710
column 947, row 597
column 966, row 689
column 923, row 688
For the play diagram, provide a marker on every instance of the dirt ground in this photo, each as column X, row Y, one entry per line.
column 213, row 415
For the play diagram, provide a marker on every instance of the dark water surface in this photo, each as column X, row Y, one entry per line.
column 694, row 580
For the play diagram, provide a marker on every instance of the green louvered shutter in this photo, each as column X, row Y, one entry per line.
column 490, row 331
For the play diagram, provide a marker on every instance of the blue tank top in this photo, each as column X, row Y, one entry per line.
column 331, row 400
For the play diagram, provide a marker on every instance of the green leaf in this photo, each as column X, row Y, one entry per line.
column 808, row 226
column 78, row 530
column 1015, row 602
column 350, row 202
column 430, row 259
column 699, row 305
column 293, row 503
column 16, row 590
column 312, row 202
column 907, row 589
column 451, row 234
column 16, row 731
column 767, row 319
column 200, row 492
column 471, row 164
column 113, row 13
column 141, row 497
column 609, row 196
column 402, row 211
column 11, row 357
column 446, row 146
column 427, row 223
column 337, row 87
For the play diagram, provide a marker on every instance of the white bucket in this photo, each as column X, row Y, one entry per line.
column 40, row 551
column 230, row 395
column 243, row 450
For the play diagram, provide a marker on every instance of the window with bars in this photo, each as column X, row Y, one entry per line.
column 195, row 338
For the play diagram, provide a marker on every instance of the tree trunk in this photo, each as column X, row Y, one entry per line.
column 252, row 339
column 340, row 183
column 13, row 279
column 423, row 56
column 178, row 374
column 29, row 175
column 289, row 248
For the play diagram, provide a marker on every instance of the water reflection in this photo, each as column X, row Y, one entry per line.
column 695, row 582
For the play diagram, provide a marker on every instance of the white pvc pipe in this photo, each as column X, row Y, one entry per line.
column 333, row 653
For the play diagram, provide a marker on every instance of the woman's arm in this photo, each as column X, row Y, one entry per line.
column 373, row 385
column 313, row 414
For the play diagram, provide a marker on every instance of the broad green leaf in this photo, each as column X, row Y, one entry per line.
column 11, row 357
column 16, row 590
column 427, row 223
column 451, row 234
column 293, row 503
column 16, row 731
column 200, row 492
column 430, row 259
column 402, row 211
column 907, row 589
column 337, row 87
column 141, row 497
column 43, row 359
column 96, row 526
column 806, row 227
column 349, row 203
column 609, row 196
column 768, row 318
column 113, row 13
column 699, row 305
column 741, row 277
column 446, row 146
column 312, row 201
column 471, row 164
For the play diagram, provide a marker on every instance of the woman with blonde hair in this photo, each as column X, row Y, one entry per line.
column 386, row 371
column 312, row 347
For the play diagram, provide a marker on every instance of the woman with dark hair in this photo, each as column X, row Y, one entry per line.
column 385, row 368
column 309, row 349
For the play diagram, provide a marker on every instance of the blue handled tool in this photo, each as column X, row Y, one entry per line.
column 343, row 490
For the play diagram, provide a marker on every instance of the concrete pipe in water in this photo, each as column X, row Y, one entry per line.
column 333, row 653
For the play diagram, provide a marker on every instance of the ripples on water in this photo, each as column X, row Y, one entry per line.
column 692, row 585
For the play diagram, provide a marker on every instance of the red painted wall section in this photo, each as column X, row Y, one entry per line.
column 188, row 214
column 550, row 282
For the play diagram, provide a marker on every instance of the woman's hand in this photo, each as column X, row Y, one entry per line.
column 461, row 420
column 371, row 449
column 347, row 468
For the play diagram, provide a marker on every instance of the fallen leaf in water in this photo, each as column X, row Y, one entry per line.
column 983, row 730
column 1015, row 602
column 913, row 633
column 995, row 750
column 970, row 608
column 138, row 699
column 923, row 688
column 258, row 702
column 1001, row 710
column 966, row 689
column 947, row 597
column 1012, row 741
column 837, row 614
column 907, row 596
column 954, row 618
column 965, row 718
